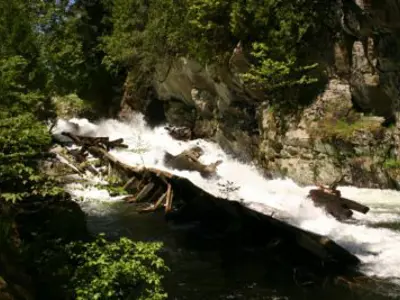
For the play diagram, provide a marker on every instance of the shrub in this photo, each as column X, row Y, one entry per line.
column 70, row 106
column 101, row 269
column 24, row 142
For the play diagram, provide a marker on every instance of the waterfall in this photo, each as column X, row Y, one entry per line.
column 377, row 247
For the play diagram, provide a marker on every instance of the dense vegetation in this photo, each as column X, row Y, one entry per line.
column 275, row 32
column 49, row 50
column 55, row 50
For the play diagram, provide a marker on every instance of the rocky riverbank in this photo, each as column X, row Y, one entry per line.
column 346, row 125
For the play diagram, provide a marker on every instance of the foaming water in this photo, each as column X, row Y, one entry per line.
column 378, row 248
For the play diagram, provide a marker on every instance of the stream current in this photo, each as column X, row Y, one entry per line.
column 201, row 271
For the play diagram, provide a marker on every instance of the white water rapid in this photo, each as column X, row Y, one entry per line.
column 377, row 247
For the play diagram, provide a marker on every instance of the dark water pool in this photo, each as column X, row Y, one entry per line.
column 202, row 269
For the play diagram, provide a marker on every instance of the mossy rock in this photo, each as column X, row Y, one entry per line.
column 392, row 169
column 347, row 130
column 392, row 164
column 179, row 114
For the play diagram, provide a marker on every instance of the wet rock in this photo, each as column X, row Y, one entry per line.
column 179, row 114
column 298, row 138
column 205, row 128
column 204, row 102
column 189, row 160
column 180, row 133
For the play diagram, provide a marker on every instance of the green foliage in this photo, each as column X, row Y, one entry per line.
column 15, row 95
column 16, row 31
column 24, row 103
column 114, row 186
column 70, row 105
column 208, row 21
column 281, row 28
column 143, row 34
column 61, row 48
column 101, row 269
column 24, row 142
column 127, row 19
column 149, row 32
column 391, row 164
column 272, row 74
column 98, row 268
column 274, row 31
column 49, row 50
column 116, row 190
column 117, row 270
column 344, row 129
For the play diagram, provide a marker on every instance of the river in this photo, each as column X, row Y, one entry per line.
column 201, row 270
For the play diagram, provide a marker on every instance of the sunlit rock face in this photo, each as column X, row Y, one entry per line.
column 346, row 128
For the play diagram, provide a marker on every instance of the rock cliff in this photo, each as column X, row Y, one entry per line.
column 348, row 129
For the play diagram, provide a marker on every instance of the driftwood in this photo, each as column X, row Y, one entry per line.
column 185, row 202
column 332, row 201
column 189, row 160
column 76, row 161
column 145, row 183
column 81, row 161
column 80, row 156
column 103, row 142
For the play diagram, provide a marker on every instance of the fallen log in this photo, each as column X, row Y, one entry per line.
column 330, row 204
column 353, row 205
column 88, row 141
column 118, row 143
column 156, row 206
column 81, row 160
column 331, row 200
column 141, row 196
column 75, row 160
column 157, row 193
column 78, row 155
column 129, row 183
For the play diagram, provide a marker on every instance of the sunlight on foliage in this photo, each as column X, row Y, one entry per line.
column 70, row 106
column 117, row 270
column 24, row 142
column 273, row 31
